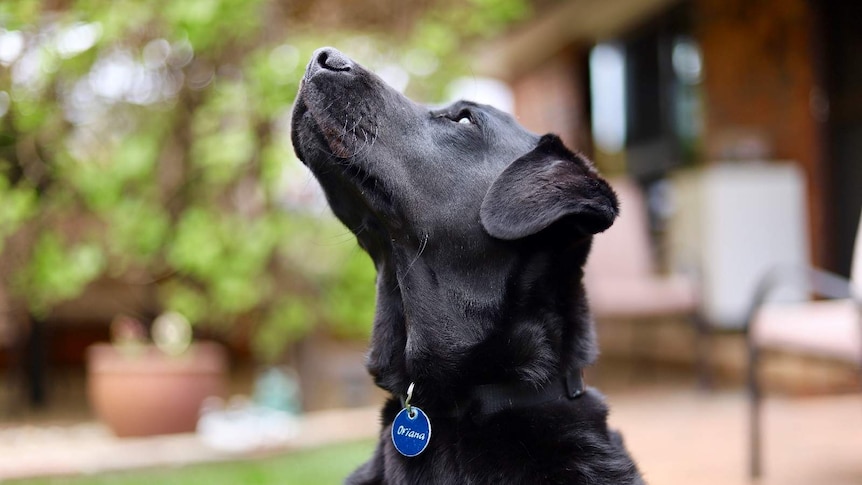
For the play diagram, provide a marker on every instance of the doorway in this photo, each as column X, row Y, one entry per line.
column 841, row 45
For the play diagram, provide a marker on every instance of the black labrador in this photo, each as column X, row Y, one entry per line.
column 479, row 231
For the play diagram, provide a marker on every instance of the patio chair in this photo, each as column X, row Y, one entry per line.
column 828, row 327
column 621, row 278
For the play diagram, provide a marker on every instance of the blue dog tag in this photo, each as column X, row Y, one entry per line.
column 411, row 435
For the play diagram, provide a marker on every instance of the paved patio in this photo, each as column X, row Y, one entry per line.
column 678, row 436
column 685, row 438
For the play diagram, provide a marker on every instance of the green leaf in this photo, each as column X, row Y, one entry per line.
column 185, row 299
column 349, row 296
column 234, row 294
column 17, row 205
column 137, row 229
column 285, row 323
column 56, row 273
column 196, row 247
column 136, row 157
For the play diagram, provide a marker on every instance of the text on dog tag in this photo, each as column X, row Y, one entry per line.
column 411, row 435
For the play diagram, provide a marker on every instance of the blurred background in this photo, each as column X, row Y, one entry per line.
column 167, row 264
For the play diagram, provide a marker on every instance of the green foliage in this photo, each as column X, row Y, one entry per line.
column 149, row 138
column 19, row 204
column 223, row 141
column 443, row 31
column 58, row 271
column 347, row 293
column 210, row 25
column 290, row 320
column 136, row 230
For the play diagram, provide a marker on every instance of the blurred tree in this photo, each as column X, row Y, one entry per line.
column 146, row 142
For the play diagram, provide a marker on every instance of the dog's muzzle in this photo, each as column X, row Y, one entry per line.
column 327, row 59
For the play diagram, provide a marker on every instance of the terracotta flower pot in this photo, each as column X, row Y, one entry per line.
column 149, row 392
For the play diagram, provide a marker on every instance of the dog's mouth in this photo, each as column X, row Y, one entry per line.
column 342, row 139
column 335, row 125
column 335, row 102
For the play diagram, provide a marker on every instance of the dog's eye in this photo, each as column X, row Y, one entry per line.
column 464, row 117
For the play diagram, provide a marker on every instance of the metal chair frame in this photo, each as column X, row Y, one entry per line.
column 822, row 284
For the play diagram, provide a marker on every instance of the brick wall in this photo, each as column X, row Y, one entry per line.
column 551, row 98
column 759, row 82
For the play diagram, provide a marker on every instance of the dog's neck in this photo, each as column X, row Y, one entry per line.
column 525, row 324
column 488, row 399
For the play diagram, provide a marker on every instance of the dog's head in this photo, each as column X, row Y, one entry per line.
column 477, row 227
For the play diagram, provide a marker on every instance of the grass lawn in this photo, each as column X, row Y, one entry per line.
column 322, row 466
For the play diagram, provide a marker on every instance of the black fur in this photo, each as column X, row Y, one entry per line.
column 479, row 232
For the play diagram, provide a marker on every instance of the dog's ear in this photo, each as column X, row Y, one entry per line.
column 544, row 186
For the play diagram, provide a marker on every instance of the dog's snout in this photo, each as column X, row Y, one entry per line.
column 331, row 60
column 328, row 59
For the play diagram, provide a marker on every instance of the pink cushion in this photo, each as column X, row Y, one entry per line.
column 825, row 328
column 619, row 275
column 646, row 296
column 624, row 249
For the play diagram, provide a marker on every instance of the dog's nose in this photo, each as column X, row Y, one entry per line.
column 329, row 59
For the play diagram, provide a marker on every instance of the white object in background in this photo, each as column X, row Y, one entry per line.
column 241, row 426
column 483, row 90
column 172, row 333
column 741, row 219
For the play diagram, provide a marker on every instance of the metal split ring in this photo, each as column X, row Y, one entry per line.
column 410, row 412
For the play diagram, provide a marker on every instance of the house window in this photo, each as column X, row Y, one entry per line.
column 646, row 96
column 607, row 97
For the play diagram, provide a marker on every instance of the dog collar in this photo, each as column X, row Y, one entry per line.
column 488, row 399
column 485, row 400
